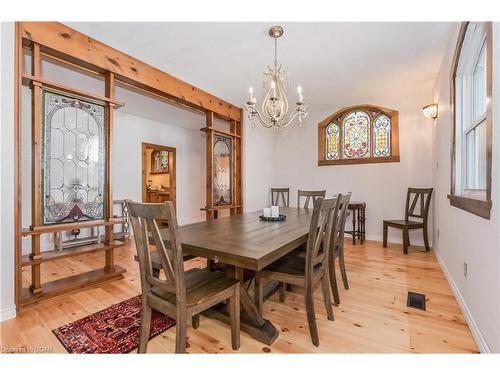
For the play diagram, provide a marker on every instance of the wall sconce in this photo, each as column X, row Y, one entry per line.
column 431, row 111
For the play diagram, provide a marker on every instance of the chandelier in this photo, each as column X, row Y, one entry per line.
column 274, row 113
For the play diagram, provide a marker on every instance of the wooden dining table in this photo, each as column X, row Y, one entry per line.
column 242, row 242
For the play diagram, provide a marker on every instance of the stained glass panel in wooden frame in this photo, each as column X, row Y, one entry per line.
column 73, row 158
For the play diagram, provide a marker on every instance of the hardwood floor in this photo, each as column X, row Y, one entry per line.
column 371, row 318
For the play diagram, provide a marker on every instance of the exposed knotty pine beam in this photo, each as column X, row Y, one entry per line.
column 18, row 58
column 36, row 161
column 58, row 39
column 209, row 163
column 109, row 234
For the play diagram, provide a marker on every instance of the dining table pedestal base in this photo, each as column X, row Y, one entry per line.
column 251, row 320
column 265, row 333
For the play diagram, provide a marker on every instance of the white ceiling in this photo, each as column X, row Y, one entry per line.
column 328, row 60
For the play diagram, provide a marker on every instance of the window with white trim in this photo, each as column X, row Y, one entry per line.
column 471, row 114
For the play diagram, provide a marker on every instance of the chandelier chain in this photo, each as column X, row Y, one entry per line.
column 275, row 52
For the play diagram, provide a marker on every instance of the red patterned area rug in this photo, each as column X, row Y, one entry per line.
column 113, row 330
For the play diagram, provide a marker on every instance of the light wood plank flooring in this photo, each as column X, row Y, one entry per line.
column 371, row 318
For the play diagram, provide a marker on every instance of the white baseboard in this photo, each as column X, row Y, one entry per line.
column 7, row 313
column 474, row 328
column 392, row 239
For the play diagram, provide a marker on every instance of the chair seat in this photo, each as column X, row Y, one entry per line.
column 290, row 265
column 405, row 223
column 201, row 285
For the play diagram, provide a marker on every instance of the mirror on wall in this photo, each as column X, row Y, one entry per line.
column 222, row 170
column 73, row 158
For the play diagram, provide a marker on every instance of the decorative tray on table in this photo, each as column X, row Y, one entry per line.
column 269, row 218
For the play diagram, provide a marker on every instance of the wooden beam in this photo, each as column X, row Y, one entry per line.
column 58, row 39
column 210, row 161
column 239, row 164
column 36, row 165
column 109, row 230
column 222, row 132
column 233, row 126
column 76, row 282
column 18, row 62
column 68, row 226
column 52, row 255
column 27, row 80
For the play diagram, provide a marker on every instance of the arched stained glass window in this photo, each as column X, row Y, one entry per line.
column 359, row 134
column 356, row 130
column 382, row 136
column 332, row 141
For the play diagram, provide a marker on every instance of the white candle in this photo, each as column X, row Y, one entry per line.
column 250, row 94
column 275, row 211
column 273, row 88
column 299, row 90
column 266, row 212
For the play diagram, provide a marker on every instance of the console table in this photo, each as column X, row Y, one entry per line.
column 358, row 217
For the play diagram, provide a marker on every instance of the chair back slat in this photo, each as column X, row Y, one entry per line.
column 283, row 193
column 309, row 195
column 160, row 244
column 320, row 231
column 411, row 211
column 418, row 203
column 338, row 236
column 144, row 218
column 142, row 247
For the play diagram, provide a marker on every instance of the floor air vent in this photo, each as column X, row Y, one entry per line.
column 416, row 300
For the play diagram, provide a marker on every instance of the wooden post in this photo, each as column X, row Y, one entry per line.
column 109, row 230
column 233, row 128
column 239, row 164
column 17, row 163
column 36, row 165
column 210, row 161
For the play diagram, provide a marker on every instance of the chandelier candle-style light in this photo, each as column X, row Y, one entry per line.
column 274, row 113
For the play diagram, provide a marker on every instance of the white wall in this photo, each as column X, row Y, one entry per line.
column 258, row 166
column 7, row 308
column 129, row 133
column 464, row 237
column 382, row 186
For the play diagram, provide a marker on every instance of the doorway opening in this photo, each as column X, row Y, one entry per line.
column 158, row 173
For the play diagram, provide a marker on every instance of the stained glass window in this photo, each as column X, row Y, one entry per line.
column 332, row 141
column 159, row 161
column 356, row 131
column 222, row 170
column 359, row 134
column 382, row 136
column 73, row 157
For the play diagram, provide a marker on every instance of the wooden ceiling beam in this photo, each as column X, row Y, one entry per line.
column 75, row 47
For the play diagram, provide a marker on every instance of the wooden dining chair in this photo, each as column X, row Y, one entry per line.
column 182, row 294
column 283, row 193
column 336, row 250
column 309, row 195
column 413, row 210
column 306, row 271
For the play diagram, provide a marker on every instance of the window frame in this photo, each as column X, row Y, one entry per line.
column 475, row 201
column 394, row 132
